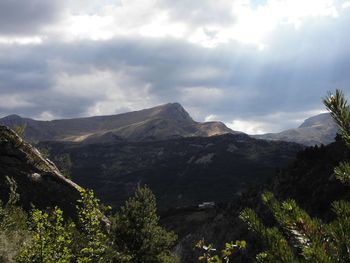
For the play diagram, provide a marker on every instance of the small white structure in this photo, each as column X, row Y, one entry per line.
column 205, row 205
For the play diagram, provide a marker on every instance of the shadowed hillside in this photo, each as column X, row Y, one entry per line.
column 309, row 180
column 181, row 172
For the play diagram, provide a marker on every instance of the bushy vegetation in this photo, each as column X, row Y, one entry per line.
column 13, row 226
column 211, row 255
column 51, row 239
column 298, row 237
column 47, row 236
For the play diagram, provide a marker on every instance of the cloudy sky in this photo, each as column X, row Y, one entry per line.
column 257, row 65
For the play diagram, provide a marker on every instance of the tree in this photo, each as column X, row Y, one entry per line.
column 57, row 240
column 51, row 239
column 137, row 234
column 299, row 237
column 93, row 241
column 210, row 255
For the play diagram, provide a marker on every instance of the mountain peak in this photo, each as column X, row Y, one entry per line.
column 12, row 117
column 173, row 111
column 12, row 120
column 323, row 119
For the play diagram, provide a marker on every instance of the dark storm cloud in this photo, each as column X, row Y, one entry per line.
column 18, row 17
column 291, row 75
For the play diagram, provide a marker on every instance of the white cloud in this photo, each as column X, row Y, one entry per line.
column 162, row 27
column 93, row 27
column 119, row 100
column 21, row 40
column 91, row 84
column 13, row 101
column 249, row 127
column 274, row 122
column 46, row 116
column 254, row 25
column 346, row 5
column 208, row 24
column 212, row 117
column 108, row 89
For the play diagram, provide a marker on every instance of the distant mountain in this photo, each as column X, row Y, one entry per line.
column 38, row 181
column 319, row 129
column 161, row 122
column 181, row 171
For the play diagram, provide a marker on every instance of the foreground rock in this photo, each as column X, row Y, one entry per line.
column 38, row 180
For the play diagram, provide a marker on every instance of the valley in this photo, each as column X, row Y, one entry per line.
column 183, row 161
column 181, row 172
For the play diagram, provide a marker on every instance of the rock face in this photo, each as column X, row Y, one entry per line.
column 319, row 129
column 38, row 180
column 163, row 122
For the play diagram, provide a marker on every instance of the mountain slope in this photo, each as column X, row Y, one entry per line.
column 37, row 179
column 319, row 129
column 309, row 180
column 161, row 122
column 181, row 172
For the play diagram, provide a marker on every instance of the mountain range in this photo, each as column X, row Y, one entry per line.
column 157, row 123
column 184, row 162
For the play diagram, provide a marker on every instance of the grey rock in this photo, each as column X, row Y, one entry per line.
column 38, row 180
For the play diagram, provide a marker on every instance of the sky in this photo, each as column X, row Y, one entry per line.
column 257, row 65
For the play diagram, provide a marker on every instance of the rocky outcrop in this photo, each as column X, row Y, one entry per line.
column 38, row 180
